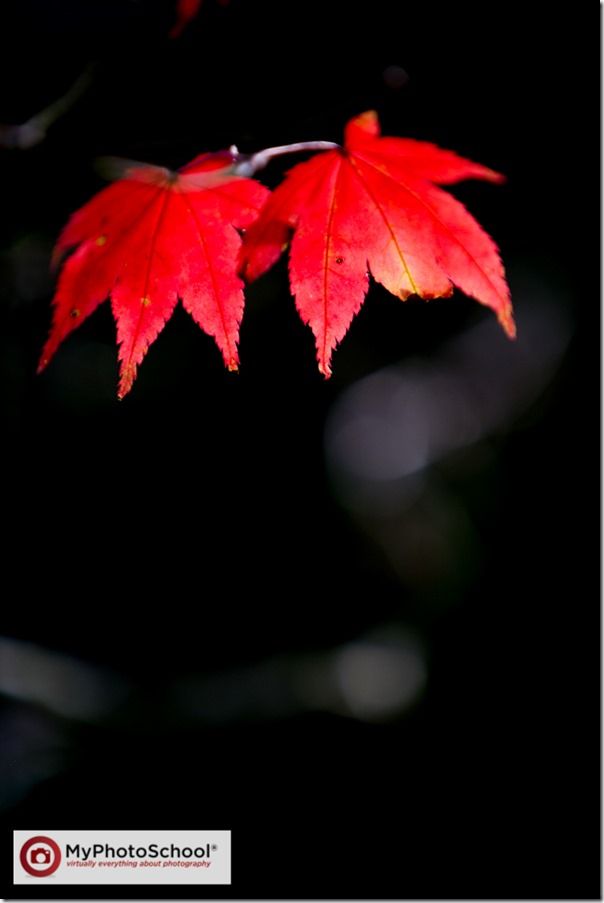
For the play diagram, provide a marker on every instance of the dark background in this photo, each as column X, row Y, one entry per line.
column 193, row 530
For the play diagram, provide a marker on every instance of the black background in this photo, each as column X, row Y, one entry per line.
column 207, row 493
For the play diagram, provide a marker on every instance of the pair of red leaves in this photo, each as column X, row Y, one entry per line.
column 155, row 236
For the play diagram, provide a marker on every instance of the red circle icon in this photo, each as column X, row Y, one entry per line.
column 40, row 856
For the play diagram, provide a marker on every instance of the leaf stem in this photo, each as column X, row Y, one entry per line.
column 248, row 164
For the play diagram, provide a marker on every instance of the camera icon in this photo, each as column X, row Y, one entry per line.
column 40, row 856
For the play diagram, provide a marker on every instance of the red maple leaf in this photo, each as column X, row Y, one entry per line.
column 150, row 238
column 372, row 205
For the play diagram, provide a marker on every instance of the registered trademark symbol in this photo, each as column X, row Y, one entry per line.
column 214, row 846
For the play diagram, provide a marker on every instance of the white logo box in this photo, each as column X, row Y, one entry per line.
column 121, row 857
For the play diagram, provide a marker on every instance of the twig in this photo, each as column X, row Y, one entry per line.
column 32, row 132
